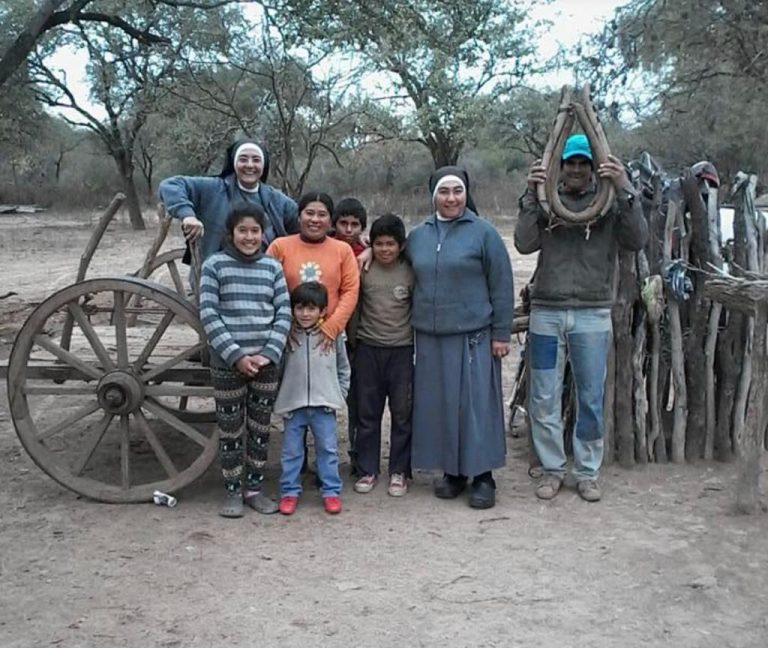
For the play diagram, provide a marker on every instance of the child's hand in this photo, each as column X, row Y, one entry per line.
column 260, row 360
column 364, row 260
column 247, row 366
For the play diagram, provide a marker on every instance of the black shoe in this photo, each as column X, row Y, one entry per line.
column 450, row 486
column 483, row 494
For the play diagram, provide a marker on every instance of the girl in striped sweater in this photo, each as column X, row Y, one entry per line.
column 246, row 313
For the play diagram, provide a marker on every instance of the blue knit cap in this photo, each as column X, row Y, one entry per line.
column 577, row 145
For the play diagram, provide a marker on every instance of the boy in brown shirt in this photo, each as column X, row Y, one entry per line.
column 384, row 358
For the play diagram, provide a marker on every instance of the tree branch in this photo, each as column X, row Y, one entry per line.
column 143, row 36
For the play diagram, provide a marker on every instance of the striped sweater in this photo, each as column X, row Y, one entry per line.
column 245, row 308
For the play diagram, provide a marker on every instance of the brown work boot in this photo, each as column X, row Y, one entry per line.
column 548, row 486
column 589, row 490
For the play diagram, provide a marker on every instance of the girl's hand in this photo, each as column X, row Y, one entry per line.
column 247, row 366
column 260, row 360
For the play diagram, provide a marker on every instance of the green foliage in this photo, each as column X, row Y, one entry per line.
column 697, row 70
column 441, row 56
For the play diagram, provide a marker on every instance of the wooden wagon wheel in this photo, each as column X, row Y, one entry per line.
column 168, row 264
column 101, row 429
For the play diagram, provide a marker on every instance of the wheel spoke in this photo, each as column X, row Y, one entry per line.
column 93, row 440
column 59, row 390
column 121, row 339
column 152, row 343
column 187, row 430
column 125, row 453
column 160, row 453
column 73, row 418
column 176, row 278
column 182, row 391
column 91, row 335
column 179, row 357
column 67, row 357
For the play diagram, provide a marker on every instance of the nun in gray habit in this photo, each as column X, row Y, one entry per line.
column 463, row 303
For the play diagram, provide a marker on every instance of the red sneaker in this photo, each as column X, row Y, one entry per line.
column 288, row 504
column 332, row 504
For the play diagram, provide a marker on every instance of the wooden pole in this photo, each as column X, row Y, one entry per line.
column 696, row 309
column 657, row 446
column 744, row 214
column 609, row 401
column 85, row 259
column 676, row 340
column 164, row 224
column 640, row 398
column 750, row 296
column 622, row 326
column 713, row 324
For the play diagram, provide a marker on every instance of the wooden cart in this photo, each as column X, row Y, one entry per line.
column 107, row 383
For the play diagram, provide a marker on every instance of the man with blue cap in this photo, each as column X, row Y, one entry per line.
column 571, row 299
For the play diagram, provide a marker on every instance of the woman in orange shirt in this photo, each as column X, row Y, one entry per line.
column 311, row 255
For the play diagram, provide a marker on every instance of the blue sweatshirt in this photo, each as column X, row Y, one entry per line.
column 463, row 277
column 210, row 198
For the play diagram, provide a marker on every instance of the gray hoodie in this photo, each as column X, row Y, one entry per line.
column 312, row 378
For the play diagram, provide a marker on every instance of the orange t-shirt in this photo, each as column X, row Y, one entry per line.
column 332, row 263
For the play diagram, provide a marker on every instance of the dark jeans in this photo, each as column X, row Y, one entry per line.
column 352, row 417
column 381, row 374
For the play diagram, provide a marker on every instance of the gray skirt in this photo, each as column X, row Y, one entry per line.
column 458, row 407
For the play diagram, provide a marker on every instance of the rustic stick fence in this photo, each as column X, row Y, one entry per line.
column 689, row 379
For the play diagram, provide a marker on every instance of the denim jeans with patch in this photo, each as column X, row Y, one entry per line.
column 585, row 333
column 322, row 422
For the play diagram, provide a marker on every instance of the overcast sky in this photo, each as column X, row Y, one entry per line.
column 571, row 20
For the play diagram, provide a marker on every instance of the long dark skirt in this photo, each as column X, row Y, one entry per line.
column 458, row 408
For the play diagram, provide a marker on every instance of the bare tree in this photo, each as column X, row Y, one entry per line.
column 49, row 15
column 128, row 80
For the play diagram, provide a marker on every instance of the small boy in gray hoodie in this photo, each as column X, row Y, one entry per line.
column 314, row 385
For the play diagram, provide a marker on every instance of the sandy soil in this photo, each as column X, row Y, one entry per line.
column 662, row 560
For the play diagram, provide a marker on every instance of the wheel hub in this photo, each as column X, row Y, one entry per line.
column 120, row 392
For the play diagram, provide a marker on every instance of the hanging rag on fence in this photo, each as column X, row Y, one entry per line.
column 677, row 281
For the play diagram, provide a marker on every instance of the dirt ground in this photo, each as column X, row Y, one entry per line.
column 662, row 560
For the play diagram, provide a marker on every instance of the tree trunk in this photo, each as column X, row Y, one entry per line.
column 444, row 151
column 20, row 49
column 125, row 166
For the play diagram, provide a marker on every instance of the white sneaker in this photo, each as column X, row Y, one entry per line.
column 398, row 485
column 365, row 484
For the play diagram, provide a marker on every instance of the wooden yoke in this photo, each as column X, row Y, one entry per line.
column 569, row 112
